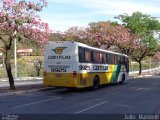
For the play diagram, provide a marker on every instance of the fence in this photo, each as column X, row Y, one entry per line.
column 29, row 69
column 26, row 67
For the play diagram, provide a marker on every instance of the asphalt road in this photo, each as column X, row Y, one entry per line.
column 136, row 96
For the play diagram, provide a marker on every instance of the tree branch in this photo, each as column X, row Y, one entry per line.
column 3, row 41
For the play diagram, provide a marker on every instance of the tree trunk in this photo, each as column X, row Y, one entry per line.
column 38, row 72
column 8, row 69
column 140, row 67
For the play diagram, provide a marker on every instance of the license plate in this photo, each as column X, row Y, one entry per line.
column 58, row 69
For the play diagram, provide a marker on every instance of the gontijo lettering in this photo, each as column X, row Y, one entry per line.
column 59, row 57
column 97, row 67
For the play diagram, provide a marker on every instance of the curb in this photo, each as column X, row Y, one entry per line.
column 140, row 76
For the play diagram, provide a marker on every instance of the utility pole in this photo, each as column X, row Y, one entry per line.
column 15, row 55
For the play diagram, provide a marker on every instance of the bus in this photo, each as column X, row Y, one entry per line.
column 77, row 65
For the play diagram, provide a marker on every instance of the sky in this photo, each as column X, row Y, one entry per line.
column 63, row 14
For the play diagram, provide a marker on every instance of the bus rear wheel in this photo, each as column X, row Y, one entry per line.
column 96, row 83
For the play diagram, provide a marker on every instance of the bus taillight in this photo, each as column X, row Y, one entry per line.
column 74, row 73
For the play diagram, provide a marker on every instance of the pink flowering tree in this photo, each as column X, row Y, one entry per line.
column 18, row 19
column 101, row 33
column 78, row 34
column 125, row 40
column 108, row 34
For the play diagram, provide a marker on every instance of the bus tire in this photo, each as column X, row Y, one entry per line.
column 122, row 79
column 96, row 83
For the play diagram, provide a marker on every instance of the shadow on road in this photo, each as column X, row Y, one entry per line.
column 83, row 90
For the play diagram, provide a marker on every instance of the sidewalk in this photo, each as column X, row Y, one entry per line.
column 145, row 73
column 23, row 78
column 23, row 85
column 22, row 81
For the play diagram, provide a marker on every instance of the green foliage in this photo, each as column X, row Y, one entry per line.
column 3, row 73
column 144, row 26
column 26, row 66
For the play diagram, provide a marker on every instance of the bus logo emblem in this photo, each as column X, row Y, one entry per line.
column 59, row 50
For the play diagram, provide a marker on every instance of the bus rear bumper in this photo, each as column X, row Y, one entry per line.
column 59, row 80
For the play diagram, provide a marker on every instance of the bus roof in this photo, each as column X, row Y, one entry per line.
column 87, row 46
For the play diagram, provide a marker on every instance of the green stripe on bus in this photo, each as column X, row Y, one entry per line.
column 115, row 74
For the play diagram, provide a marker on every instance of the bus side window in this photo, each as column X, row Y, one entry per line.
column 112, row 59
column 115, row 59
column 94, row 57
column 109, row 58
column 118, row 59
column 87, row 56
column 81, row 55
column 99, row 57
column 121, row 60
column 127, row 64
column 104, row 58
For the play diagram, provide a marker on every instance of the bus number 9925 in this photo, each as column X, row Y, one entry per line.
column 58, row 69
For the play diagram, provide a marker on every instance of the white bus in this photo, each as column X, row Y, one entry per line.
column 76, row 65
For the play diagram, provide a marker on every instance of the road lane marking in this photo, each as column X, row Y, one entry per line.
column 36, row 102
column 142, row 89
column 122, row 105
column 91, row 107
